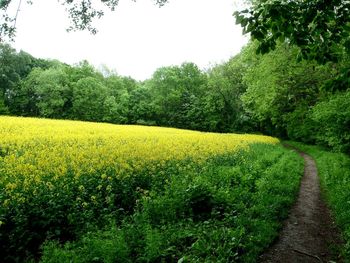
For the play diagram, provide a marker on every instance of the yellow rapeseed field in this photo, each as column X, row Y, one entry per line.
column 41, row 151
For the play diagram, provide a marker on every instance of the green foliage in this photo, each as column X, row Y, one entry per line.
column 105, row 246
column 230, row 209
column 298, row 100
column 89, row 95
column 3, row 109
column 14, row 67
column 62, row 91
column 300, row 126
column 175, row 92
column 51, row 91
column 142, row 111
column 319, row 28
column 332, row 117
column 281, row 90
column 223, row 103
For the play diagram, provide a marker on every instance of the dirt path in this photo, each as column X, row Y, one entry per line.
column 309, row 230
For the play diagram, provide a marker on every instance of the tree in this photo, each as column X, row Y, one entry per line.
column 89, row 96
column 8, row 74
column 141, row 108
column 52, row 91
column 3, row 108
column 174, row 92
column 44, row 92
column 82, row 70
column 281, row 90
column 15, row 66
column 332, row 118
column 81, row 13
column 225, row 88
column 320, row 28
column 321, row 31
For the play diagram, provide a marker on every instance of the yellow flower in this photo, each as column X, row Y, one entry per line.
column 10, row 186
column 42, row 152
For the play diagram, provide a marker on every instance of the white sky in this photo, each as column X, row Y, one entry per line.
column 137, row 38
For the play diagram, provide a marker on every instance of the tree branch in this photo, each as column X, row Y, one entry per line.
column 18, row 8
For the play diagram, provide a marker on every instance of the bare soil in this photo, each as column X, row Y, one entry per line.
column 309, row 234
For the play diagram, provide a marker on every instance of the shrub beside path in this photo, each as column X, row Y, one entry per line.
column 309, row 233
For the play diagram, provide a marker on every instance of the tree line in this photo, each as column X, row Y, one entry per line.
column 273, row 94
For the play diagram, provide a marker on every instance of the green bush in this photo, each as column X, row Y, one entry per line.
column 332, row 118
column 299, row 125
column 109, row 247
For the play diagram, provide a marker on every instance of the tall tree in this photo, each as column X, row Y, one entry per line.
column 15, row 66
column 175, row 90
column 281, row 90
column 53, row 92
column 223, row 96
column 331, row 116
column 89, row 96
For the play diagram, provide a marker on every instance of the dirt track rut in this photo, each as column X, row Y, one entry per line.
column 309, row 230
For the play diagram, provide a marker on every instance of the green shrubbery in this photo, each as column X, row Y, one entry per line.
column 228, row 210
column 332, row 117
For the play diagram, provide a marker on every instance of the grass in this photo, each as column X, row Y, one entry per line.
column 229, row 210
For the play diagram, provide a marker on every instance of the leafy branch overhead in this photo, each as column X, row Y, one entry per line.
column 320, row 28
column 82, row 13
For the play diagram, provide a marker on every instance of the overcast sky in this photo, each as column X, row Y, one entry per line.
column 138, row 37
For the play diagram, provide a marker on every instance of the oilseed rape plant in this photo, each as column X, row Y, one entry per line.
column 35, row 148
column 59, row 176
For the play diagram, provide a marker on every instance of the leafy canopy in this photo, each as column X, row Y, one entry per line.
column 320, row 28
